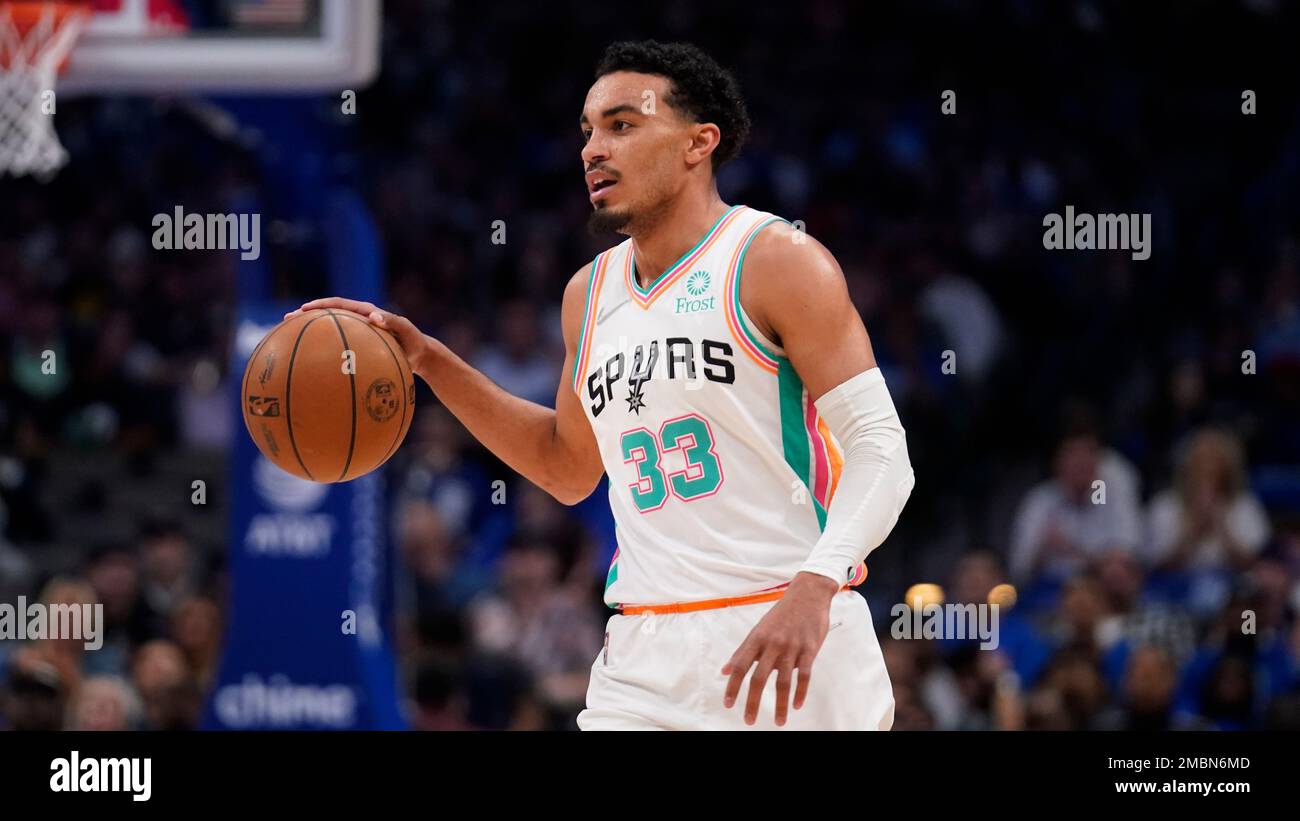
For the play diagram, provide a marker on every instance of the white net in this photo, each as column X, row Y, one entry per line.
column 34, row 41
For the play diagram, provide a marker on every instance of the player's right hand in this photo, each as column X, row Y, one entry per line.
column 415, row 344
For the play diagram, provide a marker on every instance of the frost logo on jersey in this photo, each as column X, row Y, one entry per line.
column 696, row 285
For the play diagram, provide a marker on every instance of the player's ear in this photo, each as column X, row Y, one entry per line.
column 704, row 141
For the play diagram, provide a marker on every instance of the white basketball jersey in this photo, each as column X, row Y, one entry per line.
column 720, row 470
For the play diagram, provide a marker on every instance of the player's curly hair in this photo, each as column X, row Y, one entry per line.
column 699, row 87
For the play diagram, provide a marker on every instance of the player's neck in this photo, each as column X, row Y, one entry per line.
column 682, row 226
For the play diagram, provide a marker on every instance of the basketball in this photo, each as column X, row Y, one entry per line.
column 327, row 396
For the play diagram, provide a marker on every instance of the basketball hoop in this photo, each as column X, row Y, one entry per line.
column 35, row 41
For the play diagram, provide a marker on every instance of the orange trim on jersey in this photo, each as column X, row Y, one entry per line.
column 859, row 575
column 679, row 270
column 589, row 323
column 706, row 604
column 759, row 356
column 836, row 458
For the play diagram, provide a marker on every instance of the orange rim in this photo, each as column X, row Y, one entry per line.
column 26, row 14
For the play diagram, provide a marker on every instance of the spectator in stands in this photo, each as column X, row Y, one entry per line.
column 172, row 699
column 1135, row 619
column 968, row 318
column 68, row 654
column 911, row 712
column 1072, row 677
column 1146, row 694
column 543, row 625
column 439, row 576
column 16, row 570
column 1209, row 519
column 470, row 504
column 1082, row 611
column 1239, row 667
column 196, row 630
column 34, row 694
column 104, row 703
column 114, row 573
column 521, row 363
column 1070, row 518
column 167, row 564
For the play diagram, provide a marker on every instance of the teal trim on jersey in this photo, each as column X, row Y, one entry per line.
column 582, row 329
column 735, row 293
column 636, row 282
column 612, row 575
column 794, row 433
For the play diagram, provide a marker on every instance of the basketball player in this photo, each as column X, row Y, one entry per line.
column 718, row 373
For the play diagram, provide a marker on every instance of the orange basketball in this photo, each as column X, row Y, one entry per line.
column 328, row 396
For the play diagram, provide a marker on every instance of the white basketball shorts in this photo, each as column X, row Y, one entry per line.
column 662, row 672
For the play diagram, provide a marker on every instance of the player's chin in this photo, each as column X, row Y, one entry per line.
column 607, row 218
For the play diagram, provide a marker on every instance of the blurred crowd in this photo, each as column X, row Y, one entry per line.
column 1117, row 439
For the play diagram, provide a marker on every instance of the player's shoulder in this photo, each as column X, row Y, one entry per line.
column 577, row 285
column 784, row 255
column 574, row 304
column 576, row 289
column 577, row 293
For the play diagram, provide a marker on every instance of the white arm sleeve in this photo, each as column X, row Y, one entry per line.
column 877, row 476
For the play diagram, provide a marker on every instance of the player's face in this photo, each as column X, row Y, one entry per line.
column 634, row 144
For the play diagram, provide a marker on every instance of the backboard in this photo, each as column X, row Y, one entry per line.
column 225, row 46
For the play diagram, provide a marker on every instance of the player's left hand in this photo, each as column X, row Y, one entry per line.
column 788, row 636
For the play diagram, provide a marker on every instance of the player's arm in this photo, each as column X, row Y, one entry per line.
column 803, row 301
column 795, row 292
column 553, row 449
